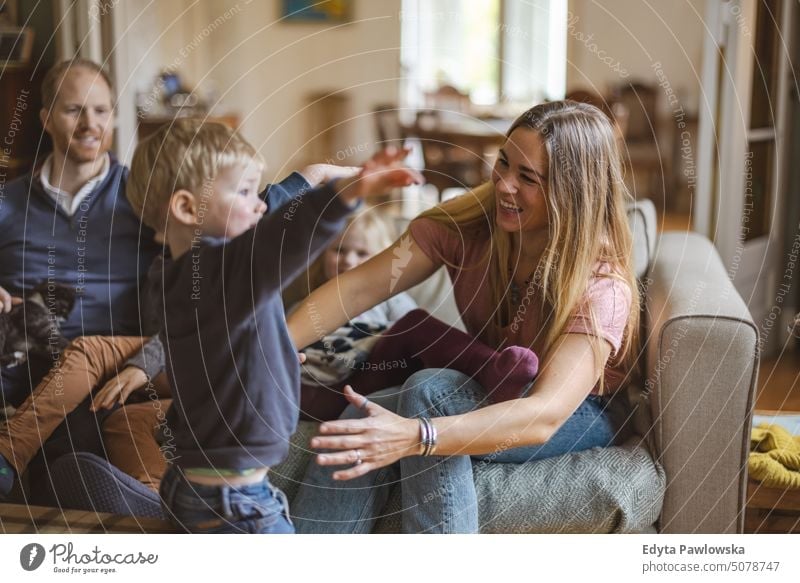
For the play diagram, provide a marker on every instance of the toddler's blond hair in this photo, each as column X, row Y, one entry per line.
column 187, row 154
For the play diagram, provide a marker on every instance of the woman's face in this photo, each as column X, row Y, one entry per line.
column 520, row 181
column 349, row 250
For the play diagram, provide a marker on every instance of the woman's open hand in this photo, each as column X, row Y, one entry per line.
column 378, row 440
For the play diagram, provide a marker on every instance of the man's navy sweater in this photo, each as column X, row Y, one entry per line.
column 103, row 250
column 232, row 366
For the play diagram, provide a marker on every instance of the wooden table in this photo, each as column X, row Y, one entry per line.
column 467, row 132
column 458, row 150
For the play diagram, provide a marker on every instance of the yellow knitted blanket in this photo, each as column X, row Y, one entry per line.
column 775, row 457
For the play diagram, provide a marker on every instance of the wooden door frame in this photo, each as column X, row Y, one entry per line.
column 724, row 134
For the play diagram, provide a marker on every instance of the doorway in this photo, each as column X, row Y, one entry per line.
column 742, row 193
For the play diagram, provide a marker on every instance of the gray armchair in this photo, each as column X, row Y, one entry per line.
column 702, row 366
column 683, row 468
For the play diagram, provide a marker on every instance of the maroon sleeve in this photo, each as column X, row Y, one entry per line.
column 437, row 241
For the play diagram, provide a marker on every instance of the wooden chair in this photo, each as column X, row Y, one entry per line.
column 452, row 159
column 646, row 150
column 616, row 111
column 388, row 128
column 448, row 98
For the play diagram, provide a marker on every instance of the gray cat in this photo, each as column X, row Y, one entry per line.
column 34, row 326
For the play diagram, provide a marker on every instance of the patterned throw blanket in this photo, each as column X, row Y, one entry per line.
column 616, row 489
column 338, row 355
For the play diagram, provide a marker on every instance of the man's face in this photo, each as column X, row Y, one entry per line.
column 81, row 122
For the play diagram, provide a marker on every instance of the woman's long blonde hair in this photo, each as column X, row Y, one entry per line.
column 586, row 205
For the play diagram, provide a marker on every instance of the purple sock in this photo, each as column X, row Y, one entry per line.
column 508, row 372
column 425, row 342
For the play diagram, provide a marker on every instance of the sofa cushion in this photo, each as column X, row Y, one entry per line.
column 611, row 490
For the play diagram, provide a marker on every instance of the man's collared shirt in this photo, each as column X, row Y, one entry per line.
column 68, row 203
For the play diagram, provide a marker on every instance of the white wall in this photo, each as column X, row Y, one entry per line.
column 265, row 70
column 150, row 36
column 268, row 69
column 633, row 35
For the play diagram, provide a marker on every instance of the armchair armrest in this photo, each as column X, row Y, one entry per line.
column 701, row 368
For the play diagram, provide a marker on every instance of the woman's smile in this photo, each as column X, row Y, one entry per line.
column 520, row 178
column 509, row 207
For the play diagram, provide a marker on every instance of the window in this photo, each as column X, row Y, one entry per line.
column 495, row 51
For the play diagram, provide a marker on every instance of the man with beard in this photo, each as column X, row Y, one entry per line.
column 69, row 222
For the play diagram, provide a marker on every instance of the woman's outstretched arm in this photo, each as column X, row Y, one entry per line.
column 394, row 270
column 568, row 374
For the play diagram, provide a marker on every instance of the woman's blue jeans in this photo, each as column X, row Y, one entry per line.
column 438, row 493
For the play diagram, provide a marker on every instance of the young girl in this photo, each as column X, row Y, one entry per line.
column 365, row 354
column 341, row 354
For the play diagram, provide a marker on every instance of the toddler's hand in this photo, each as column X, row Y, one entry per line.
column 380, row 173
column 316, row 174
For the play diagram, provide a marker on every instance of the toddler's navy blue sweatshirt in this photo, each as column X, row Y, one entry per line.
column 233, row 368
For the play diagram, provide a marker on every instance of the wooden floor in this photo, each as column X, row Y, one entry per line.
column 779, row 382
column 674, row 222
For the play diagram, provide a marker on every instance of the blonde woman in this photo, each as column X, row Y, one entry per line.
column 540, row 258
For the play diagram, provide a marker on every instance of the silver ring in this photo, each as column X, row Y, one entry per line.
column 359, row 461
column 364, row 404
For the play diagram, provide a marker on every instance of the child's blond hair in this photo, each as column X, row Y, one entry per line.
column 187, row 154
column 379, row 229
